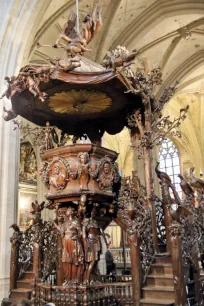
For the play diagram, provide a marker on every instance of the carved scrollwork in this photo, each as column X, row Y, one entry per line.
column 49, row 247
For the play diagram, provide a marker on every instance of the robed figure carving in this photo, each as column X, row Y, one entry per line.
column 92, row 244
column 83, row 170
column 72, row 250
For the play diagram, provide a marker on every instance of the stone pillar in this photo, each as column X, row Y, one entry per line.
column 9, row 160
column 19, row 21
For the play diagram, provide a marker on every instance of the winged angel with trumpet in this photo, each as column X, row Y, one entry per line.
column 77, row 41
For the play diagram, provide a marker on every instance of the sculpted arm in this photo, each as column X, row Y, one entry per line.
column 99, row 23
column 59, row 228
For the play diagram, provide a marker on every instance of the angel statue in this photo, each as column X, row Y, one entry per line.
column 77, row 42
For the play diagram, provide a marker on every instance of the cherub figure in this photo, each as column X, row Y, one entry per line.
column 7, row 92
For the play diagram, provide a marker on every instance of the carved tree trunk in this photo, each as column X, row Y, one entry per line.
column 36, row 259
column 177, row 265
column 197, row 279
column 167, row 219
column 60, row 273
column 134, row 242
column 13, row 265
column 149, row 179
column 149, row 191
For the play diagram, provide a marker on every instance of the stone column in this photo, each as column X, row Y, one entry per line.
column 19, row 21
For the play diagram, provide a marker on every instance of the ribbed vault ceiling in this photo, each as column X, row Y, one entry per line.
column 169, row 33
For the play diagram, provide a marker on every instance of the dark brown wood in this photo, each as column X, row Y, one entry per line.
column 13, row 264
column 36, row 260
column 59, row 267
column 198, row 290
column 134, row 243
column 69, row 177
column 167, row 219
column 177, row 264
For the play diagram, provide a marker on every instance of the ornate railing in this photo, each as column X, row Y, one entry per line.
column 184, row 232
column 119, row 257
column 102, row 294
column 25, row 252
column 104, row 279
column 190, row 292
column 161, row 229
column 49, row 247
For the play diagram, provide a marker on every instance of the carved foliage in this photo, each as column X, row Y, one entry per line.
column 49, row 249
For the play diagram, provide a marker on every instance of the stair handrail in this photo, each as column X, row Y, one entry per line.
column 180, row 237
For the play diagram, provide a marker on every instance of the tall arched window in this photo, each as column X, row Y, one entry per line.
column 169, row 162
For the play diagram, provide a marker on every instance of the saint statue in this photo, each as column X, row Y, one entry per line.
column 92, row 244
column 72, row 251
column 83, row 170
column 48, row 136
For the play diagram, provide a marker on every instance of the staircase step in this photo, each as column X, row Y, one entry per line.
column 161, row 269
column 7, row 302
column 21, row 293
column 160, row 280
column 156, row 292
column 28, row 275
column 25, row 283
column 163, row 258
column 155, row 302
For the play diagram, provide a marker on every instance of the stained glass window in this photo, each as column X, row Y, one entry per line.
column 169, row 162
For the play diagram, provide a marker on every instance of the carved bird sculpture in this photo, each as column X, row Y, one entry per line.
column 176, row 211
column 15, row 227
column 197, row 183
column 185, row 186
column 36, row 207
column 162, row 175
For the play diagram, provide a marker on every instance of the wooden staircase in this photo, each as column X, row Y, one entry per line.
column 23, row 290
column 159, row 287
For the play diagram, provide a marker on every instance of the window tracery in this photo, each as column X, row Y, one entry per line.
column 170, row 163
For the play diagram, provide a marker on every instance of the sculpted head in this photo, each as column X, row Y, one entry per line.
column 83, row 158
column 87, row 18
column 83, row 200
column 70, row 212
column 107, row 167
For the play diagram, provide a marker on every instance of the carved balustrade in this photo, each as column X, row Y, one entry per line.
column 101, row 294
column 161, row 229
column 184, row 229
column 119, row 257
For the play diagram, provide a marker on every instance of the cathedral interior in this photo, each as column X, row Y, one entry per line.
column 109, row 138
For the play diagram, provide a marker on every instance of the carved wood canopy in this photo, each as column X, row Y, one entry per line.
column 80, row 102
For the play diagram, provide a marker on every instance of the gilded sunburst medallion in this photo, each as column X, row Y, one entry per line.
column 79, row 102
